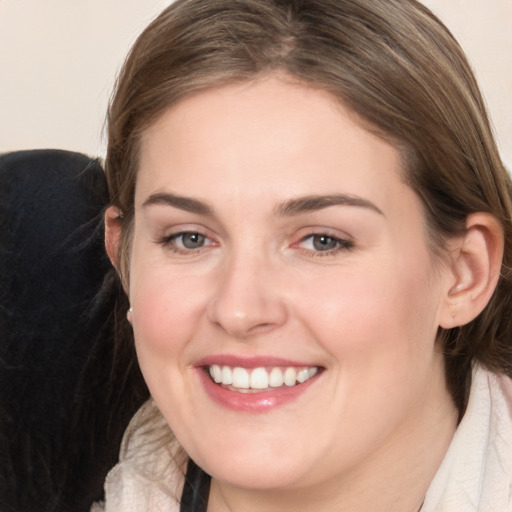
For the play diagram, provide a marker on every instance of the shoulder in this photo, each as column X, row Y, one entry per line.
column 476, row 473
column 503, row 385
column 150, row 472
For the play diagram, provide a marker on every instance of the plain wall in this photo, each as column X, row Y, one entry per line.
column 59, row 59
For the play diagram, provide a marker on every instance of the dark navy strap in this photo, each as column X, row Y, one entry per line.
column 196, row 489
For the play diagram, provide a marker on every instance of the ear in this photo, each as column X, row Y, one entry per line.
column 113, row 234
column 475, row 269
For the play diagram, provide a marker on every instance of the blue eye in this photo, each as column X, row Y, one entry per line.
column 190, row 240
column 185, row 241
column 324, row 243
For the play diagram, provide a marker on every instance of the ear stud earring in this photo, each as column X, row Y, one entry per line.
column 129, row 314
column 458, row 288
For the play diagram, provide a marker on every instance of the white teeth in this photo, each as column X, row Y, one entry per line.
column 240, row 378
column 260, row 378
column 276, row 378
column 227, row 376
column 290, row 377
column 303, row 375
column 216, row 373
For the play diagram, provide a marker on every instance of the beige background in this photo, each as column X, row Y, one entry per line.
column 59, row 58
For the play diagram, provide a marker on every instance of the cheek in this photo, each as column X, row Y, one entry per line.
column 166, row 305
column 378, row 309
column 164, row 320
column 164, row 316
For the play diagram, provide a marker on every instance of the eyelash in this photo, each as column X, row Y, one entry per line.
column 169, row 242
column 341, row 244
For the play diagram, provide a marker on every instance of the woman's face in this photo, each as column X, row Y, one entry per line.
column 277, row 249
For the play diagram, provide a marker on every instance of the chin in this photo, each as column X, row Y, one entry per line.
column 258, row 475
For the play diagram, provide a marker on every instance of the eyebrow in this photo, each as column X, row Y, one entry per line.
column 312, row 203
column 289, row 208
column 183, row 203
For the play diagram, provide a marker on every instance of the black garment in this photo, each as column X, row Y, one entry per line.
column 63, row 404
column 196, row 489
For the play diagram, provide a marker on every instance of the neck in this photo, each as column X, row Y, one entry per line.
column 396, row 478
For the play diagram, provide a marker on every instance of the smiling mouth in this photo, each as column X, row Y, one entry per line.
column 259, row 379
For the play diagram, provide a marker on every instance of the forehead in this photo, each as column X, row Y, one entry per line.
column 269, row 138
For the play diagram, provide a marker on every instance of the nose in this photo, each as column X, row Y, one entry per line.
column 247, row 300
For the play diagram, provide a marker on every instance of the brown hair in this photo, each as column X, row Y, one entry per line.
column 391, row 61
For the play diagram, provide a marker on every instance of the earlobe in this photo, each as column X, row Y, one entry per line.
column 113, row 234
column 475, row 269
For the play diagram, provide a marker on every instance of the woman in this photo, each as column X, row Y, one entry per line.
column 312, row 224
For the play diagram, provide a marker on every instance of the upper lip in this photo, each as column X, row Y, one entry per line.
column 249, row 362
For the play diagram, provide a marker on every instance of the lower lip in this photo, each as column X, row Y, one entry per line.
column 253, row 402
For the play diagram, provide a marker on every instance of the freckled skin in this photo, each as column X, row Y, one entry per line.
column 259, row 284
